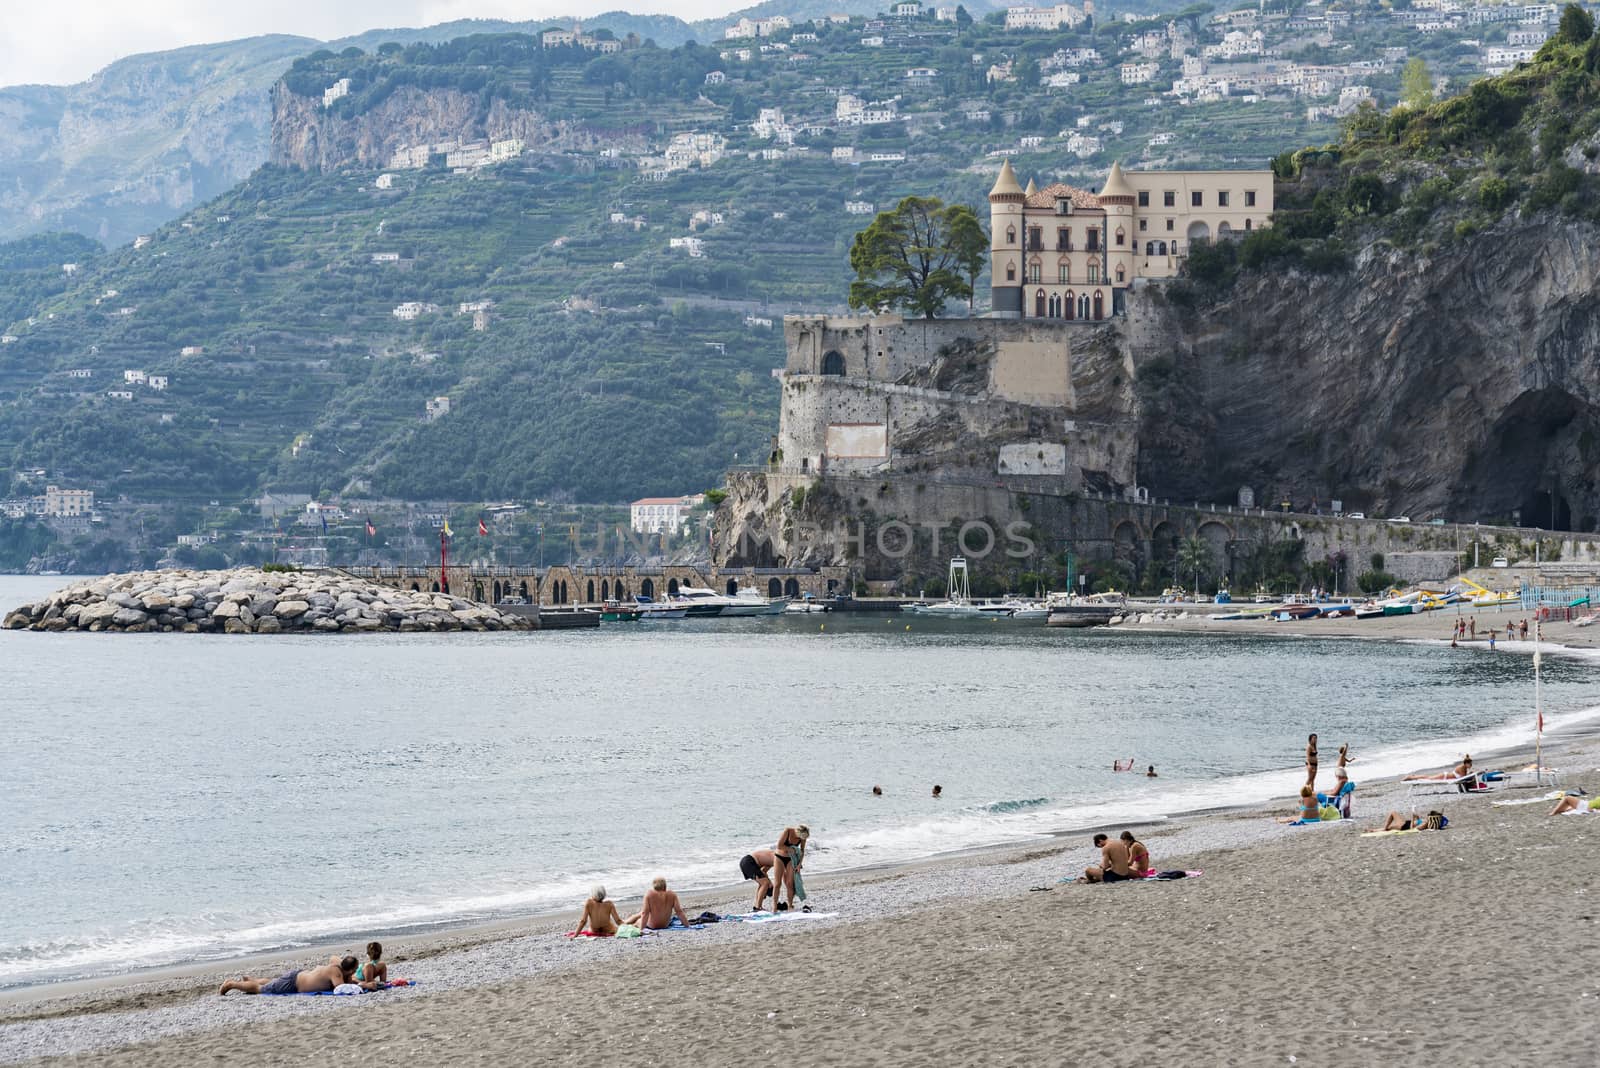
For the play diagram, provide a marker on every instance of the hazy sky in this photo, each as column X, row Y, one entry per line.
column 64, row 41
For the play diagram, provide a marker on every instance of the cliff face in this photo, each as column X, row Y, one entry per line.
column 1460, row 384
column 306, row 136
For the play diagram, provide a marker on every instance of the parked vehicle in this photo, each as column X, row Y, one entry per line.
column 1355, row 515
column 1500, row 561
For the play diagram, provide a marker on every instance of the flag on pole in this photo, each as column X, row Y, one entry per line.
column 483, row 528
column 447, row 531
column 324, row 519
column 372, row 531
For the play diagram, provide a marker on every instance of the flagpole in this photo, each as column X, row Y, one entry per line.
column 1538, row 703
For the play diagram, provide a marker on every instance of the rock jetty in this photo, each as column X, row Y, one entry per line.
column 250, row 601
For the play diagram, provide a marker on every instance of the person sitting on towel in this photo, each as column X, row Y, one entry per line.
column 660, row 905
column 1138, row 855
column 1575, row 803
column 754, row 867
column 599, row 915
column 374, row 970
column 1115, row 865
column 336, row 972
column 1308, row 812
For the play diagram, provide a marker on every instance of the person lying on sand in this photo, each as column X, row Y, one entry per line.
column 1459, row 771
column 599, row 915
column 338, row 971
column 1308, row 810
column 1138, row 855
column 754, row 867
column 1434, row 821
column 660, row 905
column 1115, row 862
column 1575, row 803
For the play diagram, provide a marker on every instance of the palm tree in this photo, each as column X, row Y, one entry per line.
column 1194, row 557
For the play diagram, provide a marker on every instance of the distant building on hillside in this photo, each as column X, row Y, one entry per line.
column 438, row 406
column 1048, row 18
column 80, row 372
column 340, row 88
column 120, row 394
column 192, row 350
column 134, row 378
column 157, row 382
column 657, row 515
column 141, row 241
column 58, row 501
column 748, row 27
column 386, row 257
column 413, row 308
column 383, row 181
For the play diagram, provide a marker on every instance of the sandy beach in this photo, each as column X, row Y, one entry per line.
column 1309, row 945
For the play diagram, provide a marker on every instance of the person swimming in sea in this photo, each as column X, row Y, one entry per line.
column 1151, row 773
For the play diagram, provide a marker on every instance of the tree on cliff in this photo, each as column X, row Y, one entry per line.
column 1577, row 26
column 1416, row 84
column 918, row 256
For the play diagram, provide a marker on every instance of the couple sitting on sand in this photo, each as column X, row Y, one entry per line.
column 339, row 971
column 1121, row 860
column 600, row 917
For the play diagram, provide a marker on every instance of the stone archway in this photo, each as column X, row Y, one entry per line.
column 733, row 587
column 498, row 593
column 647, row 589
column 435, row 587
column 791, row 588
column 774, row 588
column 833, row 363
column 620, row 591
column 522, row 590
column 590, row 599
column 1164, row 547
column 1218, row 537
column 672, row 587
column 605, row 589
column 1199, row 233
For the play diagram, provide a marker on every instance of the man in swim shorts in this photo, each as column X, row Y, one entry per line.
column 660, row 906
column 1115, row 862
column 754, row 867
column 305, row 981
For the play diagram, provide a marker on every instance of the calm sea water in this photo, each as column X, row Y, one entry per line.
column 170, row 798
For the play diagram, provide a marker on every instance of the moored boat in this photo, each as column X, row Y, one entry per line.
column 616, row 612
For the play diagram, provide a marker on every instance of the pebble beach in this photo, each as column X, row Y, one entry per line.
column 1310, row 945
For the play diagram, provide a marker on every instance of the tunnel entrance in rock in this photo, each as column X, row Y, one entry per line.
column 1519, row 469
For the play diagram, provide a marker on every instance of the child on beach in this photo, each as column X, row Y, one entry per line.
column 374, row 970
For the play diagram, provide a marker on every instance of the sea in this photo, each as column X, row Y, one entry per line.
column 169, row 799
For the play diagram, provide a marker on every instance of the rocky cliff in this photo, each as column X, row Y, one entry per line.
column 1457, row 382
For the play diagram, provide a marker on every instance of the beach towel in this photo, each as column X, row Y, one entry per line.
column 1177, row 873
column 677, row 925
column 1553, row 795
column 628, row 930
column 344, row 990
column 588, row 934
column 1385, row 834
column 799, row 859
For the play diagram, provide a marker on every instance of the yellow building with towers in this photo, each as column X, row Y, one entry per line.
column 1066, row 253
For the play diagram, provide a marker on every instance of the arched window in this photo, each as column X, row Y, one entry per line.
column 1038, row 304
column 1064, row 270
column 1161, row 247
column 605, row 589
column 522, row 588
column 1247, row 224
column 1149, row 248
column 1011, row 235
column 1035, row 269
column 1121, row 237
column 833, row 363
column 647, row 588
column 791, row 588
column 672, row 587
column 1083, row 305
column 1099, row 305
column 1071, row 303
column 1094, row 273
column 497, row 592
column 1120, row 274
column 620, row 591
column 774, row 588
column 1011, row 272
column 590, row 598
column 435, row 587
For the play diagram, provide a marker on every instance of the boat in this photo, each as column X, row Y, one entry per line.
column 615, row 612
column 959, row 603
column 650, row 609
column 1369, row 610
column 1337, row 611
column 699, row 602
column 1070, row 610
column 1285, row 612
column 806, row 605
column 749, row 602
column 1026, row 611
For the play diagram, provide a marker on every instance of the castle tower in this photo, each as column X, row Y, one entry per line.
column 1006, row 235
column 1122, row 238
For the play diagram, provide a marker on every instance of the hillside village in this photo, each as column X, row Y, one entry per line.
column 377, row 318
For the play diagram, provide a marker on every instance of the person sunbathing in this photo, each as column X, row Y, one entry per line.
column 1460, row 771
column 660, row 905
column 374, row 970
column 1434, row 821
column 1138, row 855
column 1308, row 812
column 599, row 915
column 337, row 972
column 1575, row 803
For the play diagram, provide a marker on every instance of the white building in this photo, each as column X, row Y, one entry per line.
column 157, row 382
column 906, row 10
column 1528, row 36
column 141, row 241
column 386, row 257
column 874, row 41
column 470, row 307
column 120, row 394
column 134, row 378
column 58, row 501
column 748, row 27
column 858, row 207
column 80, row 372
column 715, row 77
column 510, row 148
column 1045, row 18
column 435, row 408
column 9, row 339
column 656, row 515
column 333, row 92
column 692, row 245
column 383, row 181
column 1139, row 73
column 413, row 308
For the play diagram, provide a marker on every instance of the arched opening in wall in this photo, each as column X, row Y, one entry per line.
column 1038, row 304
column 791, row 588
column 1055, row 306
column 672, row 587
column 1218, row 537
column 1198, row 231
column 1011, row 235
column 1529, row 461
column 1063, row 271
column 1161, row 248
column 833, row 363
column 1224, row 231
column 1071, row 305
column 435, row 587
column 497, row 591
column 1121, row 274
column 1247, row 224
column 1149, row 248
column 620, row 590
column 833, row 584
column 1125, row 544
column 774, row 588
column 415, row 588
column 1099, row 305
column 647, row 589
column 1083, row 305
column 1011, row 272
column 733, row 587
column 590, row 591
column 1164, row 547
column 477, row 591
column 1122, row 238
column 522, row 590
column 605, row 589
column 561, row 592
column 805, row 464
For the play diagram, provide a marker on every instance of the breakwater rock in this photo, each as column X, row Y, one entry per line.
column 251, row 601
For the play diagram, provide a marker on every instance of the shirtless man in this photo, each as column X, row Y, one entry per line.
column 660, row 905
column 1115, row 862
column 599, row 915
column 754, row 867
column 336, row 972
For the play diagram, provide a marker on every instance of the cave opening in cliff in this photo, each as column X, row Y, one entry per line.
column 1516, row 474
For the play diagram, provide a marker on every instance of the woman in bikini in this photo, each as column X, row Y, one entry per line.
column 788, row 855
column 1308, row 812
column 1311, row 763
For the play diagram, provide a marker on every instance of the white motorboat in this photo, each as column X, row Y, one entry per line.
column 805, row 605
column 959, row 603
column 699, row 602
